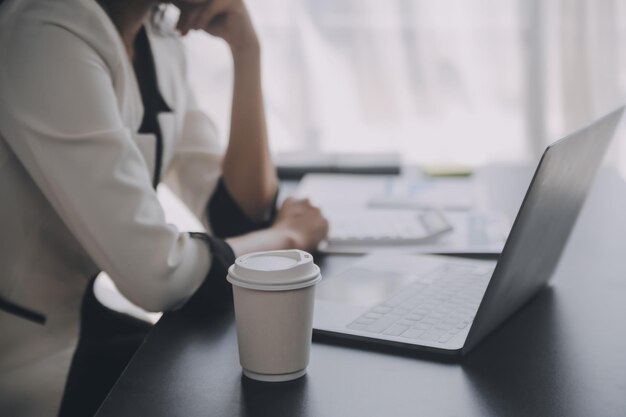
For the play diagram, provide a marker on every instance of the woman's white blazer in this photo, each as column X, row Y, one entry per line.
column 76, row 195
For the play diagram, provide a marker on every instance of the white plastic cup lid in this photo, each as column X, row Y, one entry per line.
column 279, row 270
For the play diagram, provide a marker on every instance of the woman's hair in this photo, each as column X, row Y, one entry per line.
column 158, row 17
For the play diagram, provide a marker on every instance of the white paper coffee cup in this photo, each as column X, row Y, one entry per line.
column 274, row 293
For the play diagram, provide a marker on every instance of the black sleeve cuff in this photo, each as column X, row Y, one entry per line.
column 227, row 219
column 215, row 293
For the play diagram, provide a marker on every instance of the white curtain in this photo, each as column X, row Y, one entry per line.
column 447, row 81
column 585, row 66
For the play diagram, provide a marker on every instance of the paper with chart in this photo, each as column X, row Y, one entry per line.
column 389, row 201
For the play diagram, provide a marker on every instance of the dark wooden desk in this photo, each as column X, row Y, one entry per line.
column 561, row 355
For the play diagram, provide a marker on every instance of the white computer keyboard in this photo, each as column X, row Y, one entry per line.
column 384, row 227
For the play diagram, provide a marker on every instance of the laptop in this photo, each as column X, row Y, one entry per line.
column 448, row 305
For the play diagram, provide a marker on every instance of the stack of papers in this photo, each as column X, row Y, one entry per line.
column 349, row 200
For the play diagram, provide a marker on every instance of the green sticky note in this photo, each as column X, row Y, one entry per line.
column 447, row 170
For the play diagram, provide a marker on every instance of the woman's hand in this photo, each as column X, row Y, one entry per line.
column 299, row 225
column 302, row 222
column 226, row 19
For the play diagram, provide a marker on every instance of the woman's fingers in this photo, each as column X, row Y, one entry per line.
column 206, row 14
column 304, row 221
column 226, row 19
column 211, row 16
column 196, row 14
column 300, row 203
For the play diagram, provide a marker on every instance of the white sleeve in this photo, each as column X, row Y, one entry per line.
column 61, row 117
column 197, row 163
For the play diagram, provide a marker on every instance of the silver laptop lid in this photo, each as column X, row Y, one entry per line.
column 543, row 224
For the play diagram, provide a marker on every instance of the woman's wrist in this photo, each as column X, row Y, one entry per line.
column 273, row 238
column 285, row 236
column 246, row 53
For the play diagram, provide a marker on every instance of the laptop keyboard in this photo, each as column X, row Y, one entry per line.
column 435, row 311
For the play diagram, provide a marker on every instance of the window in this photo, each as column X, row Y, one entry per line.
column 446, row 81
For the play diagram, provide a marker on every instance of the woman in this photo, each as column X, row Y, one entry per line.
column 94, row 114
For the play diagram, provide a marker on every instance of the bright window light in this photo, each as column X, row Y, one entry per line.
column 447, row 81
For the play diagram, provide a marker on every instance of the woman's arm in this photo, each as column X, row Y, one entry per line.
column 248, row 172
